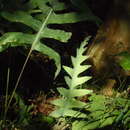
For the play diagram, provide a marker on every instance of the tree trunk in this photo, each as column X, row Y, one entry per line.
column 112, row 38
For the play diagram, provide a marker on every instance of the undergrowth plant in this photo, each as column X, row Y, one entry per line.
column 23, row 116
column 34, row 43
column 32, row 22
column 124, row 60
column 30, row 15
column 105, row 112
column 100, row 111
column 68, row 101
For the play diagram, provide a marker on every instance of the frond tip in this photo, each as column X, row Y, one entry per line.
column 73, row 80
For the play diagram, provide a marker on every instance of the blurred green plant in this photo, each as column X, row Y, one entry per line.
column 23, row 117
column 124, row 60
column 104, row 111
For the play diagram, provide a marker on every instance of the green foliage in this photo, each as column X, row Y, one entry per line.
column 14, row 39
column 32, row 14
column 104, row 112
column 124, row 61
column 27, row 25
column 74, row 80
column 68, row 100
column 24, row 115
column 29, row 19
column 45, row 119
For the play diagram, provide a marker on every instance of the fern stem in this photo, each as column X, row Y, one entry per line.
column 28, row 56
column 6, row 100
column 6, row 94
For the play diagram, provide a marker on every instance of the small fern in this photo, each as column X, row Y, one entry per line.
column 68, row 101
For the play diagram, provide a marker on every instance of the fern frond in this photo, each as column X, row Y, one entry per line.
column 33, row 14
column 62, row 112
column 78, row 68
column 68, row 102
column 70, row 93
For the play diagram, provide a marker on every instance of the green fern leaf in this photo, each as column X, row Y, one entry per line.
column 67, row 112
column 78, row 68
column 13, row 39
column 27, row 19
column 57, row 6
column 78, row 81
column 68, row 103
column 69, row 70
column 124, row 60
column 40, row 9
column 68, row 81
column 70, row 93
column 22, row 17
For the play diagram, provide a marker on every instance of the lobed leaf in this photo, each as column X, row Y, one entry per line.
column 68, row 81
column 27, row 19
column 34, row 22
column 68, row 112
column 13, row 39
column 78, row 81
column 70, row 93
column 22, row 17
column 69, row 70
column 68, row 103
